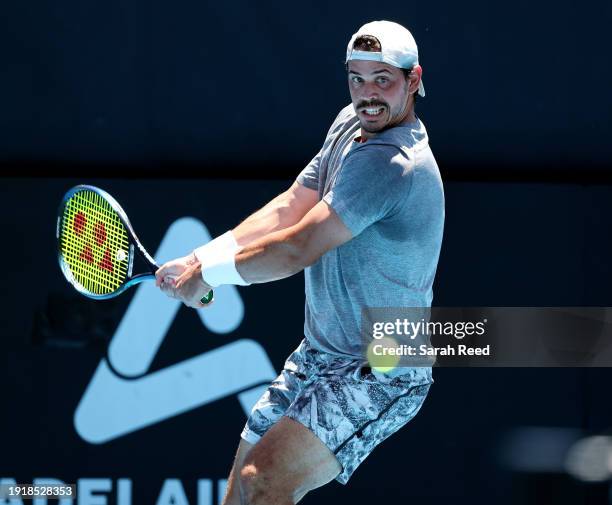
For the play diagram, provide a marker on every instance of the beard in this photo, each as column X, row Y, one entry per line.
column 372, row 128
column 373, row 124
column 388, row 118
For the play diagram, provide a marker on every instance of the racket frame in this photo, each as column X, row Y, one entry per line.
column 132, row 280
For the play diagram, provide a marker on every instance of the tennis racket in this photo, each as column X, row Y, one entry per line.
column 97, row 245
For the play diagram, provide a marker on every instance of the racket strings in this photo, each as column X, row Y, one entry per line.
column 97, row 272
column 92, row 237
column 86, row 267
column 79, row 252
column 107, row 241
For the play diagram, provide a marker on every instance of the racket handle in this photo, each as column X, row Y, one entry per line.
column 208, row 298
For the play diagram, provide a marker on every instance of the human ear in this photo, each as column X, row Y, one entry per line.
column 415, row 79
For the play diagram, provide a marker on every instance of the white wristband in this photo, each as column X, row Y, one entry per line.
column 217, row 259
column 215, row 247
column 221, row 269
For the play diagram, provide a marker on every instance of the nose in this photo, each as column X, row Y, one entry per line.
column 369, row 91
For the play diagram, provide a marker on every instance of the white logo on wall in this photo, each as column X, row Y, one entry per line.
column 114, row 405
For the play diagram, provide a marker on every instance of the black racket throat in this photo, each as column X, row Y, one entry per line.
column 142, row 265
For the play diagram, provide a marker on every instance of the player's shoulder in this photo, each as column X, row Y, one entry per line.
column 344, row 119
column 382, row 163
column 380, row 154
column 346, row 113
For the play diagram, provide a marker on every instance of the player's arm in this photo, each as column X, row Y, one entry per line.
column 284, row 211
column 274, row 256
column 288, row 251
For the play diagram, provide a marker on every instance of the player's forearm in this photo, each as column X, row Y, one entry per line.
column 275, row 256
column 279, row 254
column 277, row 215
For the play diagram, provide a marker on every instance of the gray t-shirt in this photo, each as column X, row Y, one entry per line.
column 388, row 192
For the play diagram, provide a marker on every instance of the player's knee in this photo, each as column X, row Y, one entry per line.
column 260, row 485
column 254, row 484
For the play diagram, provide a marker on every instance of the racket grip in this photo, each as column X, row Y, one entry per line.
column 208, row 298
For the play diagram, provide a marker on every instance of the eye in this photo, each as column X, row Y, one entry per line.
column 356, row 79
column 382, row 80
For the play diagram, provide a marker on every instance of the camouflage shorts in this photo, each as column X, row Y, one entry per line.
column 349, row 407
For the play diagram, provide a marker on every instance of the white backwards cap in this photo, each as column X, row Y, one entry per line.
column 398, row 47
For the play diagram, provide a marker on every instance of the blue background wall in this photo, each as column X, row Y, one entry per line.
column 208, row 110
column 511, row 86
column 505, row 244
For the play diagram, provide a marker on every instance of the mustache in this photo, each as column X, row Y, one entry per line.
column 371, row 103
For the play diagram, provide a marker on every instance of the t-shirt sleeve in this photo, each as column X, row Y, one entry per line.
column 309, row 177
column 374, row 182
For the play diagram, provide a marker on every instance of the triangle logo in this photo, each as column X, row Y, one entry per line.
column 122, row 397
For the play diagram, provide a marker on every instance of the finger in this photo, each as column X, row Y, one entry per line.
column 180, row 280
column 160, row 274
column 167, row 269
column 168, row 290
column 164, row 289
column 196, row 304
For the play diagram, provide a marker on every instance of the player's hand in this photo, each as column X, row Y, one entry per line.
column 171, row 270
column 182, row 279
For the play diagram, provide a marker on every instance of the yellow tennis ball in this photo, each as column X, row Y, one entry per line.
column 382, row 354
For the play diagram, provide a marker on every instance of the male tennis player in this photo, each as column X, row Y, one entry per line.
column 364, row 221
